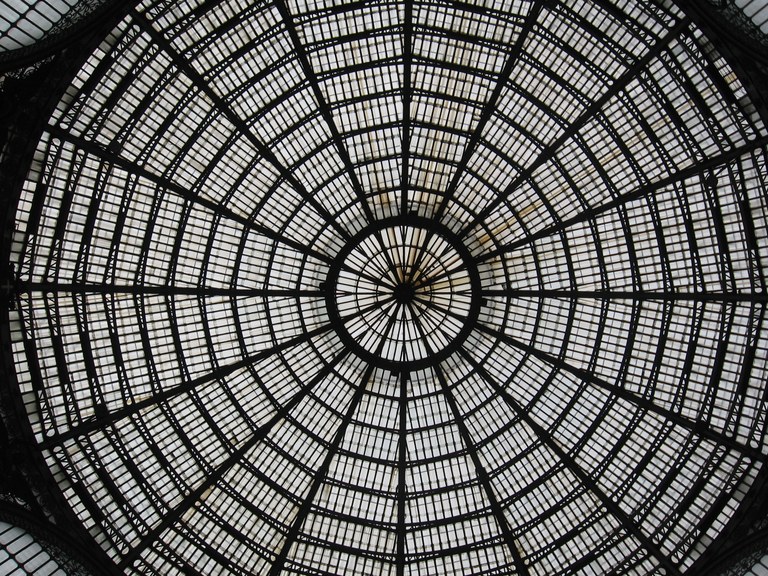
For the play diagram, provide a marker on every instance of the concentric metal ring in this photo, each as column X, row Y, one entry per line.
column 403, row 293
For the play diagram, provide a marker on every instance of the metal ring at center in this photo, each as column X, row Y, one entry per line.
column 404, row 293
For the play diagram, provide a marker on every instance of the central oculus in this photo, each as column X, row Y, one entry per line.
column 403, row 293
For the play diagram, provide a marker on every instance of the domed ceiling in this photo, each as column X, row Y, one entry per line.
column 397, row 288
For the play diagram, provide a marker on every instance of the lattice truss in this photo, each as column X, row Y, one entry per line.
column 398, row 288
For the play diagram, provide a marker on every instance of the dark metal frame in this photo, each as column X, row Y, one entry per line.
column 406, row 221
column 725, row 162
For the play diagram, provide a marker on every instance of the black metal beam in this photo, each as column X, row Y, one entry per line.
column 260, row 434
column 91, row 147
column 635, row 296
column 406, row 110
column 700, row 428
column 402, row 487
column 103, row 420
column 482, row 474
column 472, row 451
column 640, row 192
column 221, row 104
column 550, row 151
column 490, row 105
column 325, row 109
column 546, row 438
column 320, row 475
column 485, row 115
column 110, row 418
column 150, row 290
column 327, row 114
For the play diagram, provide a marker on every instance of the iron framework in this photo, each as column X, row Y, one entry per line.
column 391, row 287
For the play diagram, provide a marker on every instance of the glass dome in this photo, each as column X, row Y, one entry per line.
column 25, row 23
column 393, row 287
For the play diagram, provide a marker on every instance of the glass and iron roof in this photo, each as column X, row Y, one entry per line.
column 22, row 553
column 756, row 11
column 388, row 287
column 25, row 23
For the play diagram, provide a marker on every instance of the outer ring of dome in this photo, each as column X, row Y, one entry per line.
column 433, row 227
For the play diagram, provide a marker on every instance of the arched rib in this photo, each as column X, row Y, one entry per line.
column 163, row 290
column 685, row 173
column 320, row 476
column 700, row 428
column 630, row 295
column 102, row 420
column 482, row 475
column 109, row 418
column 102, row 153
column 571, row 464
column 221, row 104
column 189, row 501
column 697, row 427
column 325, row 109
column 402, row 467
column 550, row 151
column 491, row 104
